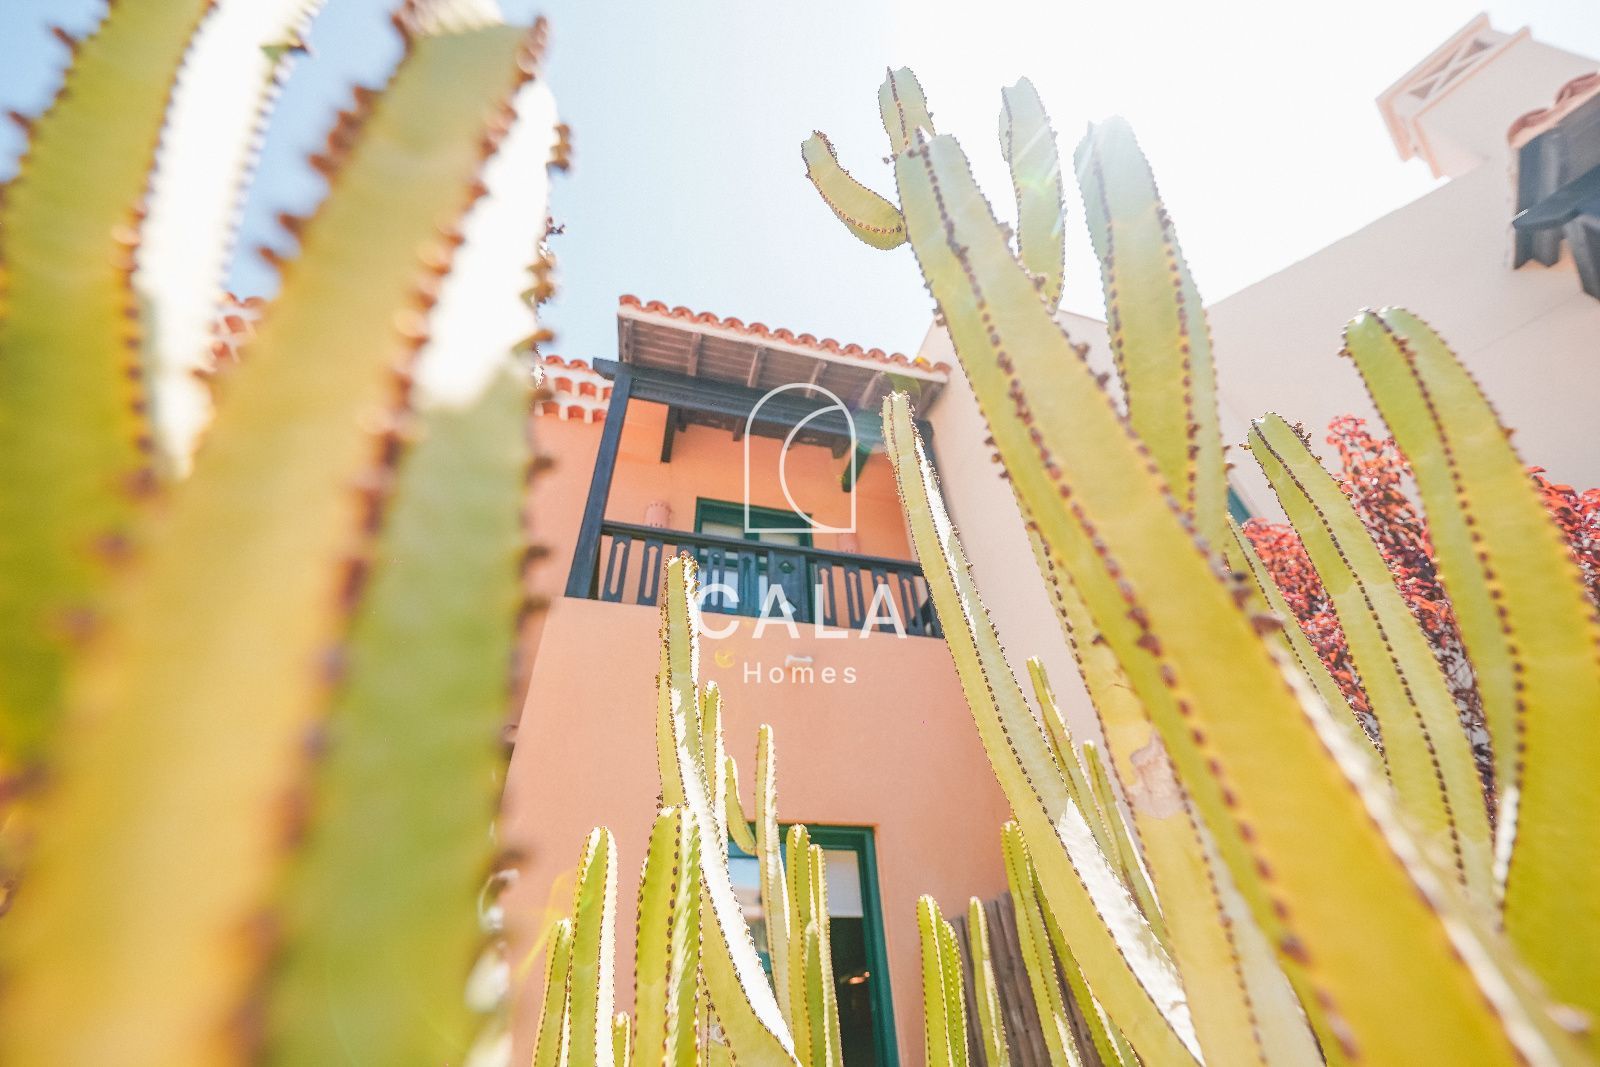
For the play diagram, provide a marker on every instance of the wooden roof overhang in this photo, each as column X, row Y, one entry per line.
column 718, row 372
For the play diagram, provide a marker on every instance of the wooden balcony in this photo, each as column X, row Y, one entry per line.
column 830, row 590
column 717, row 382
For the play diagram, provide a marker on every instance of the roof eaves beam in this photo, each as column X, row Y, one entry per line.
column 625, row 340
column 729, row 399
column 874, row 384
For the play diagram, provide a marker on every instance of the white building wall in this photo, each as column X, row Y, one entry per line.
column 1531, row 336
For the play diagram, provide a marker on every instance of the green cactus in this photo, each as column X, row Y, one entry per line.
column 903, row 109
column 1029, row 146
column 985, row 988
column 739, row 827
column 1530, row 631
column 1426, row 752
column 594, row 958
column 550, row 1049
column 944, row 1013
column 692, row 938
column 746, row 1007
column 1034, row 940
column 1092, row 1028
column 774, row 879
column 799, row 877
column 866, row 214
column 1157, row 326
column 622, row 1040
column 1120, row 954
column 666, row 968
column 1129, row 520
column 1297, row 645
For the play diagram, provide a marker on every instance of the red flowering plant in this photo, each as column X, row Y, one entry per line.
column 1578, row 515
column 1375, row 477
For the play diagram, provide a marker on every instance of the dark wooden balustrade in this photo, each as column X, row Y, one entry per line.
column 839, row 590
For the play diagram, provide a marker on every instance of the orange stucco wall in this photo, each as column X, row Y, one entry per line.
column 894, row 750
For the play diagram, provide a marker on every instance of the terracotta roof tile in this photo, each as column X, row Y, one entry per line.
column 1568, row 96
column 762, row 330
column 575, row 391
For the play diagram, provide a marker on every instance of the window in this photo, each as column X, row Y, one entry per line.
column 855, row 928
column 1558, row 195
column 747, row 573
column 1237, row 510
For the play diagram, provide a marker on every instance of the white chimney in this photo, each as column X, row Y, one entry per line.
column 1454, row 108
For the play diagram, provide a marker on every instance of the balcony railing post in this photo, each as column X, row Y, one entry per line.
column 839, row 589
column 586, row 557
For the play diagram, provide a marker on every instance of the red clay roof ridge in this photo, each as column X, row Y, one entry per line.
column 1568, row 97
column 761, row 330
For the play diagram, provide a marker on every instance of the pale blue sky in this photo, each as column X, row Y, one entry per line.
column 687, row 117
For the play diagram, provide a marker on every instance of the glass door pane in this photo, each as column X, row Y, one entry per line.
column 855, row 931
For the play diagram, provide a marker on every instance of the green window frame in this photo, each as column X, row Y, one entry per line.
column 728, row 513
column 861, row 841
column 751, row 575
column 1237, row 509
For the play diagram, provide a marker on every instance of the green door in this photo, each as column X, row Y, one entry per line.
column 855, row 927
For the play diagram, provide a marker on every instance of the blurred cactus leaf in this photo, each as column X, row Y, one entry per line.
column 74, row 442
column 413, row 757
column 1029, row 146
column 412, row 772
column 622, row 1040
column 204, row 682
column 1529, row 629
column 224, row 94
